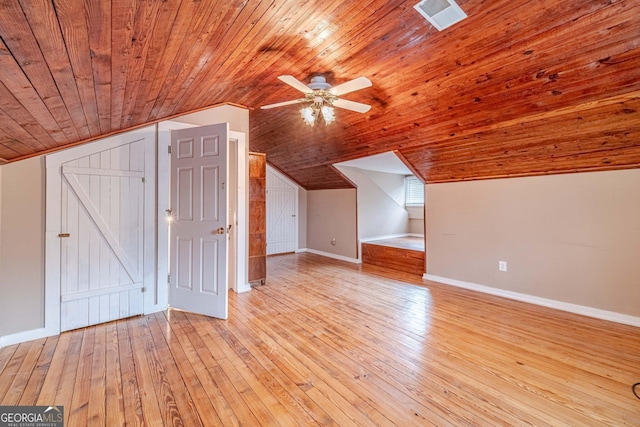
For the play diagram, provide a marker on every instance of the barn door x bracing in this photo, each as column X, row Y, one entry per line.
column 102, row 235
column 199, row 162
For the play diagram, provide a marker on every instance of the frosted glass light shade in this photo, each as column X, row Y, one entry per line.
column 308, row 115
column 327, row 114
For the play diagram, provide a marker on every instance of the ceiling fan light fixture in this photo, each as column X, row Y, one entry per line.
column 328, row 114
column 320, row 98
column 308, row 115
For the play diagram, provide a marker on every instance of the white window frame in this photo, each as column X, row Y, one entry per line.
column 413, row 185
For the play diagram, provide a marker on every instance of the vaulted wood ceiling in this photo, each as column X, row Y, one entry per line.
column 519, row 88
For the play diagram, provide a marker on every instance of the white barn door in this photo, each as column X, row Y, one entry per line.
column 199, row 229
column 102, row 235
column 281, row 214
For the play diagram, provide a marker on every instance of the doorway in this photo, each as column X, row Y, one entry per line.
column 199, row 228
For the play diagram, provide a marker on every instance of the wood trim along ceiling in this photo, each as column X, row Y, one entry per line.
column 518, row 88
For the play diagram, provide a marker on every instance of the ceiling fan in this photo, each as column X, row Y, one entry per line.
column 321, row 97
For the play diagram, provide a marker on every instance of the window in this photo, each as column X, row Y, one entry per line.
column 413, row 191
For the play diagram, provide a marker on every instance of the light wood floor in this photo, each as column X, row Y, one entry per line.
column 330, row 343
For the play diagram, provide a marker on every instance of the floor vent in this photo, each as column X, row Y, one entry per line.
column 441, row 13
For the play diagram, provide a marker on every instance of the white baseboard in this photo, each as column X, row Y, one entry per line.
column 20, row 337
column 545, row 302
column 329, row 255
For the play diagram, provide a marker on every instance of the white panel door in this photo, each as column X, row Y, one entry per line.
column 198, row 279
column 101, row 239
column 281, row 215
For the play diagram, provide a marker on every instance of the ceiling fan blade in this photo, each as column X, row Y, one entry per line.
column 350, row 86
column 297, row 84
column 351, row 105
column 282, row 104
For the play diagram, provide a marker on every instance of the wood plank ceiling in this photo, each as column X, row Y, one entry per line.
column 518, row 88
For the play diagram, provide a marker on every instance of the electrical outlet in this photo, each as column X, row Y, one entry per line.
column 502, row 265
column 333, row 241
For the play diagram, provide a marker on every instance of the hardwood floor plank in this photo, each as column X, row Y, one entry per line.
column 291, row 377
column 323, row 378
column 301, row 408
column 327, row 381
column 133, row 409
column 356, row 372
column 382, row 318
column 212, row 375
column 239, row 377
column 326, row 342
column 472, row 356
column 96, row 411
column 173, row 383
column 156, row 406
column 243, row 377
column 11, row 368
column 194, row 407
column 22, row 374
column 57, row 388
column 36, row 379
column 114, row 393
column 78, row 410
column 6, row 354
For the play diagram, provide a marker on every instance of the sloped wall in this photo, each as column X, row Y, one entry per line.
column 381, row 209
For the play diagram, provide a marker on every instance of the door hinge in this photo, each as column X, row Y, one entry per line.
column 143, row 289
column 169, row 149
column 144, row 179
column 168, row 278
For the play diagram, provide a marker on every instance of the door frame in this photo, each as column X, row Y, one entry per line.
column 53, row 164
column 237, row 143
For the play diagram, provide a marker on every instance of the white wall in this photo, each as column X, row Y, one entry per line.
column 331, row 214
column 22, row 203
column 238, row 118
column 380, row 199
column 302, row 218
column 571, row 238
column 416, row 219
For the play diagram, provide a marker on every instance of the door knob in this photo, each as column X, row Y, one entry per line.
column 220, row 230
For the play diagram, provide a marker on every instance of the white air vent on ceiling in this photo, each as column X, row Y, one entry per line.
column 441, row 13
